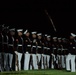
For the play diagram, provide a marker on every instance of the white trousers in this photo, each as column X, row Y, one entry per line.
column 10, row 59
column 59, row 61
column 71, row 58
column 19, row 60
column 34, row 63
column 45, row 61
column 52, row 61
column 75, row 62
column 42, row 61
column 48, row 59
column 6, row 60
column 26, row 61
column 63, row 61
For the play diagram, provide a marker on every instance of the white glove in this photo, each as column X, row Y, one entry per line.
column 16, row 52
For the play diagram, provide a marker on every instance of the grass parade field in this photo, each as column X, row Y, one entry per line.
column 39, row 72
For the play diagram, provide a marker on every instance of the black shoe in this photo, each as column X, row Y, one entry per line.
column 0, row 70
column 10, row 69
column 4, row 69
column 68, row 71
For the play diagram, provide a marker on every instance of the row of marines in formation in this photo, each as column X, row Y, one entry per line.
column 31, row 50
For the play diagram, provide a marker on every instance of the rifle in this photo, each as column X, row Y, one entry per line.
column 51, row 20
column 59, row 62
column 52, row 61
column 16, row 57
column 16, row 61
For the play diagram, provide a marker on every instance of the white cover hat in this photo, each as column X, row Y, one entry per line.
column 45, row 34
column 25, row 31
column 48, row 36
column 39, row 34
column 19, row 30
column 34, row 32
column 13, row 29
column 54, row 37
column 59, row 38
column 72, row 34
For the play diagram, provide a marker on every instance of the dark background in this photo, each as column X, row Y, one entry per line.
column 30, row 15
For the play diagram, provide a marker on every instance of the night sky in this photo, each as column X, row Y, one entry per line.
column 30, row 15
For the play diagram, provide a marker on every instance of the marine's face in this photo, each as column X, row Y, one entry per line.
column 48, row 39
column 39, row 37
column 27, row 34
column 12, row 33
column 63, row 41
column 55, row 40
column 59, row 40
column 20, row 33
column 34, row 35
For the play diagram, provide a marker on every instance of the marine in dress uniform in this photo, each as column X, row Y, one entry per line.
column 64, row 52
column 11, row 44
column 49, row 47
column 5, row 48
column 70, row 58
column 1, row 50
column 54, row 53
column 19, row 51
column 27, row 49
column 39, row 49
column 42, row 55
column 34, row 51
column 59, row 53
column 45, row 51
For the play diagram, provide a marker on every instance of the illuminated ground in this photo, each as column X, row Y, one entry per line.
column 39, row 72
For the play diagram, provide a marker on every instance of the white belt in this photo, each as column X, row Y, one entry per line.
column 59, row 49
column 19, row 45
column 34, row 46
column 54, row 48
column 39, row 46
column 10, row 45
column 45, row 47
column 66, row 49
column 48, row 48
column 63, row 49
column 26, row 52
column 29, row 45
